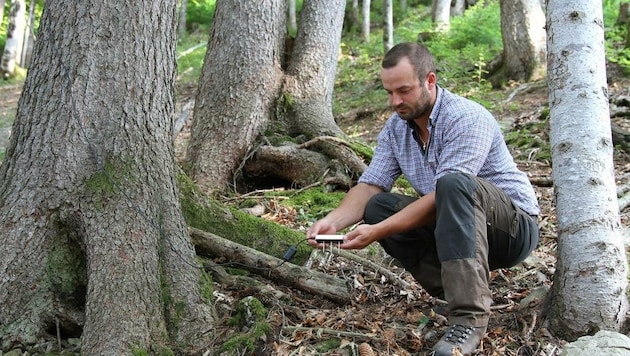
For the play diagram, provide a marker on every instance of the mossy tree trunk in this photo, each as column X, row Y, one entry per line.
column 254, row 95
column 93, row 241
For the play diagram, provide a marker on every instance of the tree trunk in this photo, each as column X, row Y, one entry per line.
column 589, row 289
column 29, row 37
column 459, row 6
column 365, row 7
column 2, row 3
column 15, row 39
column 93, row 242
column 388, row 25
column 244, row 94
column 181, row 25
column 440, row 14
column 524, row 42
column 238, row 86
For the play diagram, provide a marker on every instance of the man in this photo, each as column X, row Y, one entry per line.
column 476, row 211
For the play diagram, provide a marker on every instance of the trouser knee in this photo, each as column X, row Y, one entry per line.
column 383, row 205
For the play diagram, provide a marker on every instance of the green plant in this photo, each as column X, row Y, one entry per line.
column 200, row 12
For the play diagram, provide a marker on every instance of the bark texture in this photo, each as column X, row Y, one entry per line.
column 589, row 290
column 12, row 55
column 248, row 98
column 524, row 42
column 91, row 227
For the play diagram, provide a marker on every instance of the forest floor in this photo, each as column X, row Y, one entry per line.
column 389, row 320
column 385, row 318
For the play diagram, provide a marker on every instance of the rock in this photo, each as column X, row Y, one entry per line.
column 603, row 343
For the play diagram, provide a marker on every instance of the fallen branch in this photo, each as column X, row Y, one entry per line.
column 270, row 267
column 320, row 331
column 379, row 269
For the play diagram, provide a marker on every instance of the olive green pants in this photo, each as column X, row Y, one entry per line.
column 478, row 228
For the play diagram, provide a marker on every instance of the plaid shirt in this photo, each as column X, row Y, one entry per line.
column 464, row 137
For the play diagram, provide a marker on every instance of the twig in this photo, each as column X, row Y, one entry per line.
column 319, row 139
column 380, row 269
column 320, row 331
column 190, row 50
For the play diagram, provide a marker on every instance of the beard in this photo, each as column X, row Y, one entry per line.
column 419, row 108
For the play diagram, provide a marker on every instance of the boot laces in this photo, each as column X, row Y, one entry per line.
column 458, row 334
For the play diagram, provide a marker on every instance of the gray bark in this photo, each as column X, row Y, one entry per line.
column 2, row 3
column 524, row 39
column 440, row 14
column 244, row 91
column 12, row 54
column 238, row 86
column 91, row 230
column 306, row 279
column 365, row 7
column 589, row 289
column 181, row 23
column 388, row 25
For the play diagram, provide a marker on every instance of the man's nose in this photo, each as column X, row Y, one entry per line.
column 395, row 100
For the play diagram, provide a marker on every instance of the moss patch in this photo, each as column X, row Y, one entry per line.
column 250, row 316
column 209, row 215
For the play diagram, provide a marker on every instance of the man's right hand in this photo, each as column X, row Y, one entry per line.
column 321, row 227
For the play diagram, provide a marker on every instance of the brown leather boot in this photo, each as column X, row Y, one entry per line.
column 464, row 339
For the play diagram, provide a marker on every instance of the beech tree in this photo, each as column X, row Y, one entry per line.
column 92, row 239
column 589, row 289
column 388, row 25
column 12, row 55
column 251, row 99
column 365, row 7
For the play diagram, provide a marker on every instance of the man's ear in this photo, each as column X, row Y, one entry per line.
column 431, row 80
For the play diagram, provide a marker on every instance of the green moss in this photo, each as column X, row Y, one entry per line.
column 105, row 184
column 362, row 150
column 327, row 345
column 138, row 351
column 316, row 202
column 66, row 269
column 206, row 286
column 209, row 215
column 250, row 316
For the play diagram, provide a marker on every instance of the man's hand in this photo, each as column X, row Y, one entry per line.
column 321, row 227
column 360, row 237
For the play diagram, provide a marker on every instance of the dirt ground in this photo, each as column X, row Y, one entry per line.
column 384, row 318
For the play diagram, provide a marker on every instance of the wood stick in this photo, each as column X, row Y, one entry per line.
column 273, row 268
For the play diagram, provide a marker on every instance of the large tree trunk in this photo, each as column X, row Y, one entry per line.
column 388, row 25
column 93, row 240
column 524, row 42
column 15, row 38
column 589, row 290
column 244, row 94
column 440, row 14
column 365, row 8
column 240, row 80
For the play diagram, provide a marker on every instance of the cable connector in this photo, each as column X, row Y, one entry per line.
column 289, row 254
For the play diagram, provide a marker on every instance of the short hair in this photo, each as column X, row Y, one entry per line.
column 419, row 56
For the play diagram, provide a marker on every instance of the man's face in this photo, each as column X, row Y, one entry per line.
column 409, row 96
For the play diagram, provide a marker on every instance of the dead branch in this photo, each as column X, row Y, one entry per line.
column 320, row 331
column 379, row 269
column 270, row 267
